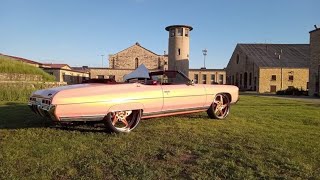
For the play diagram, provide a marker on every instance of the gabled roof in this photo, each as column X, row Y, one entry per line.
column 278, row 55
column 136, row 44
column 21, row 59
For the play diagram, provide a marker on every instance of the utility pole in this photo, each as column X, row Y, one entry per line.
column 204, row 57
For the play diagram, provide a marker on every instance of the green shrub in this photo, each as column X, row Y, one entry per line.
column 292, row 91
column 11, row 65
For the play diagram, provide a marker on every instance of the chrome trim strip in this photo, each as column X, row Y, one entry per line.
column 175, row 111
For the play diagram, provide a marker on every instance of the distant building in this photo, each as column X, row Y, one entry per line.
column 269, row 67
column 127, row 60
column 208, row 76
column 314, row 85
column 64, row 73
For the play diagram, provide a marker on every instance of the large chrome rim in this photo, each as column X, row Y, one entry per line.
column 221, row 106
column 124, row 121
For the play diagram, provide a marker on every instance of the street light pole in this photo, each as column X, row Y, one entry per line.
column 204, row 57
column 102, row 59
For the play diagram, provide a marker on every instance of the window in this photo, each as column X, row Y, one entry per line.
column 136, row 63
column 100, row 76
column 290, row 77
column 180, row 32
column 240, row 79
column 213, row 79
column 221, row 79
column 238, row 58
column 250, row 79
column 172, row 32
column 113, row 63
column 273, row 77
column 196, row 78
column 204, row 79
column 179, row 51
column 64, row 77
column 186, row 32
column 165, row 63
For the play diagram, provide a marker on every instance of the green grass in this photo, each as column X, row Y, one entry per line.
column 10, row 65
column 18, row 92
column 262, row 138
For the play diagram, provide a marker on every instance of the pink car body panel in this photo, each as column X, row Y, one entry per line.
column 86, row 101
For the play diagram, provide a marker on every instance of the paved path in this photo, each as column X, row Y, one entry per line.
column 311, row 99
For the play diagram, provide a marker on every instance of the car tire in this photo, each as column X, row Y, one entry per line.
column 132, row 121
column 220, row 107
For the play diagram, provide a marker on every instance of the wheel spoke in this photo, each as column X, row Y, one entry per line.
column 125, row 122
column 114, row 120
column 221, row 99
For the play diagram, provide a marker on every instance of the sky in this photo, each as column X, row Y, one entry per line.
column 78, row 32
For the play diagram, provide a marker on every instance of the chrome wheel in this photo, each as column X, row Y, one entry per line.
column 220, row 107
column 122, row 121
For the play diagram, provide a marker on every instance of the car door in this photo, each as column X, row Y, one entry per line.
column 183, row 97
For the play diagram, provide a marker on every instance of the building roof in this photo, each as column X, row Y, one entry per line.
column 278, row 55
column 57, row 66
column 201, row 69
column 136, row 44
column 22, row 59
column 175, row 26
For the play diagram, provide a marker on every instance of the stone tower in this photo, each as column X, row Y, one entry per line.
column 314, row 71
column 178, row 57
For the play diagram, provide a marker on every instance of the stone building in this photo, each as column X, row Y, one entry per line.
column 208, row 76
column 65, row 73
column 269, row 67
column 127, row 60
column 314, row 85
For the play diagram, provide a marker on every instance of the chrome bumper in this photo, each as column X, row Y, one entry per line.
column 43, row 110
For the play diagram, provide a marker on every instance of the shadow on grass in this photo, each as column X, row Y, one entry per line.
column 15, row 115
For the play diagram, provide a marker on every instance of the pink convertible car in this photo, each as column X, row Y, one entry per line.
column 120, row 106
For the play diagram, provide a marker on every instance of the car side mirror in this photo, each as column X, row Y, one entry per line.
column 190, row 83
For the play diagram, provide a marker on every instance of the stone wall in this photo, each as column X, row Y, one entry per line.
column 282, row 81
column 137, row 55
column 108, row 73
column 19, row 77
column 314, row 85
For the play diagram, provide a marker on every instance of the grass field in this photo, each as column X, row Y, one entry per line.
column 262, row 138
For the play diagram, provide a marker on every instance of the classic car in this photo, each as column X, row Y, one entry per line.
column 120, row 106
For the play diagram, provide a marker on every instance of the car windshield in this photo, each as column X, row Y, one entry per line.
column 169, row 77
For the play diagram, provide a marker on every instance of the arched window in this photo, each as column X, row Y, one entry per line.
column 137, row 62
column 238, row 58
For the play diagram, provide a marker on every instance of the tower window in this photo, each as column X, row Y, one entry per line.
column 172, row 32
column 180, row 32
column 179, row 51
column 136, row 62
column 186, row 32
